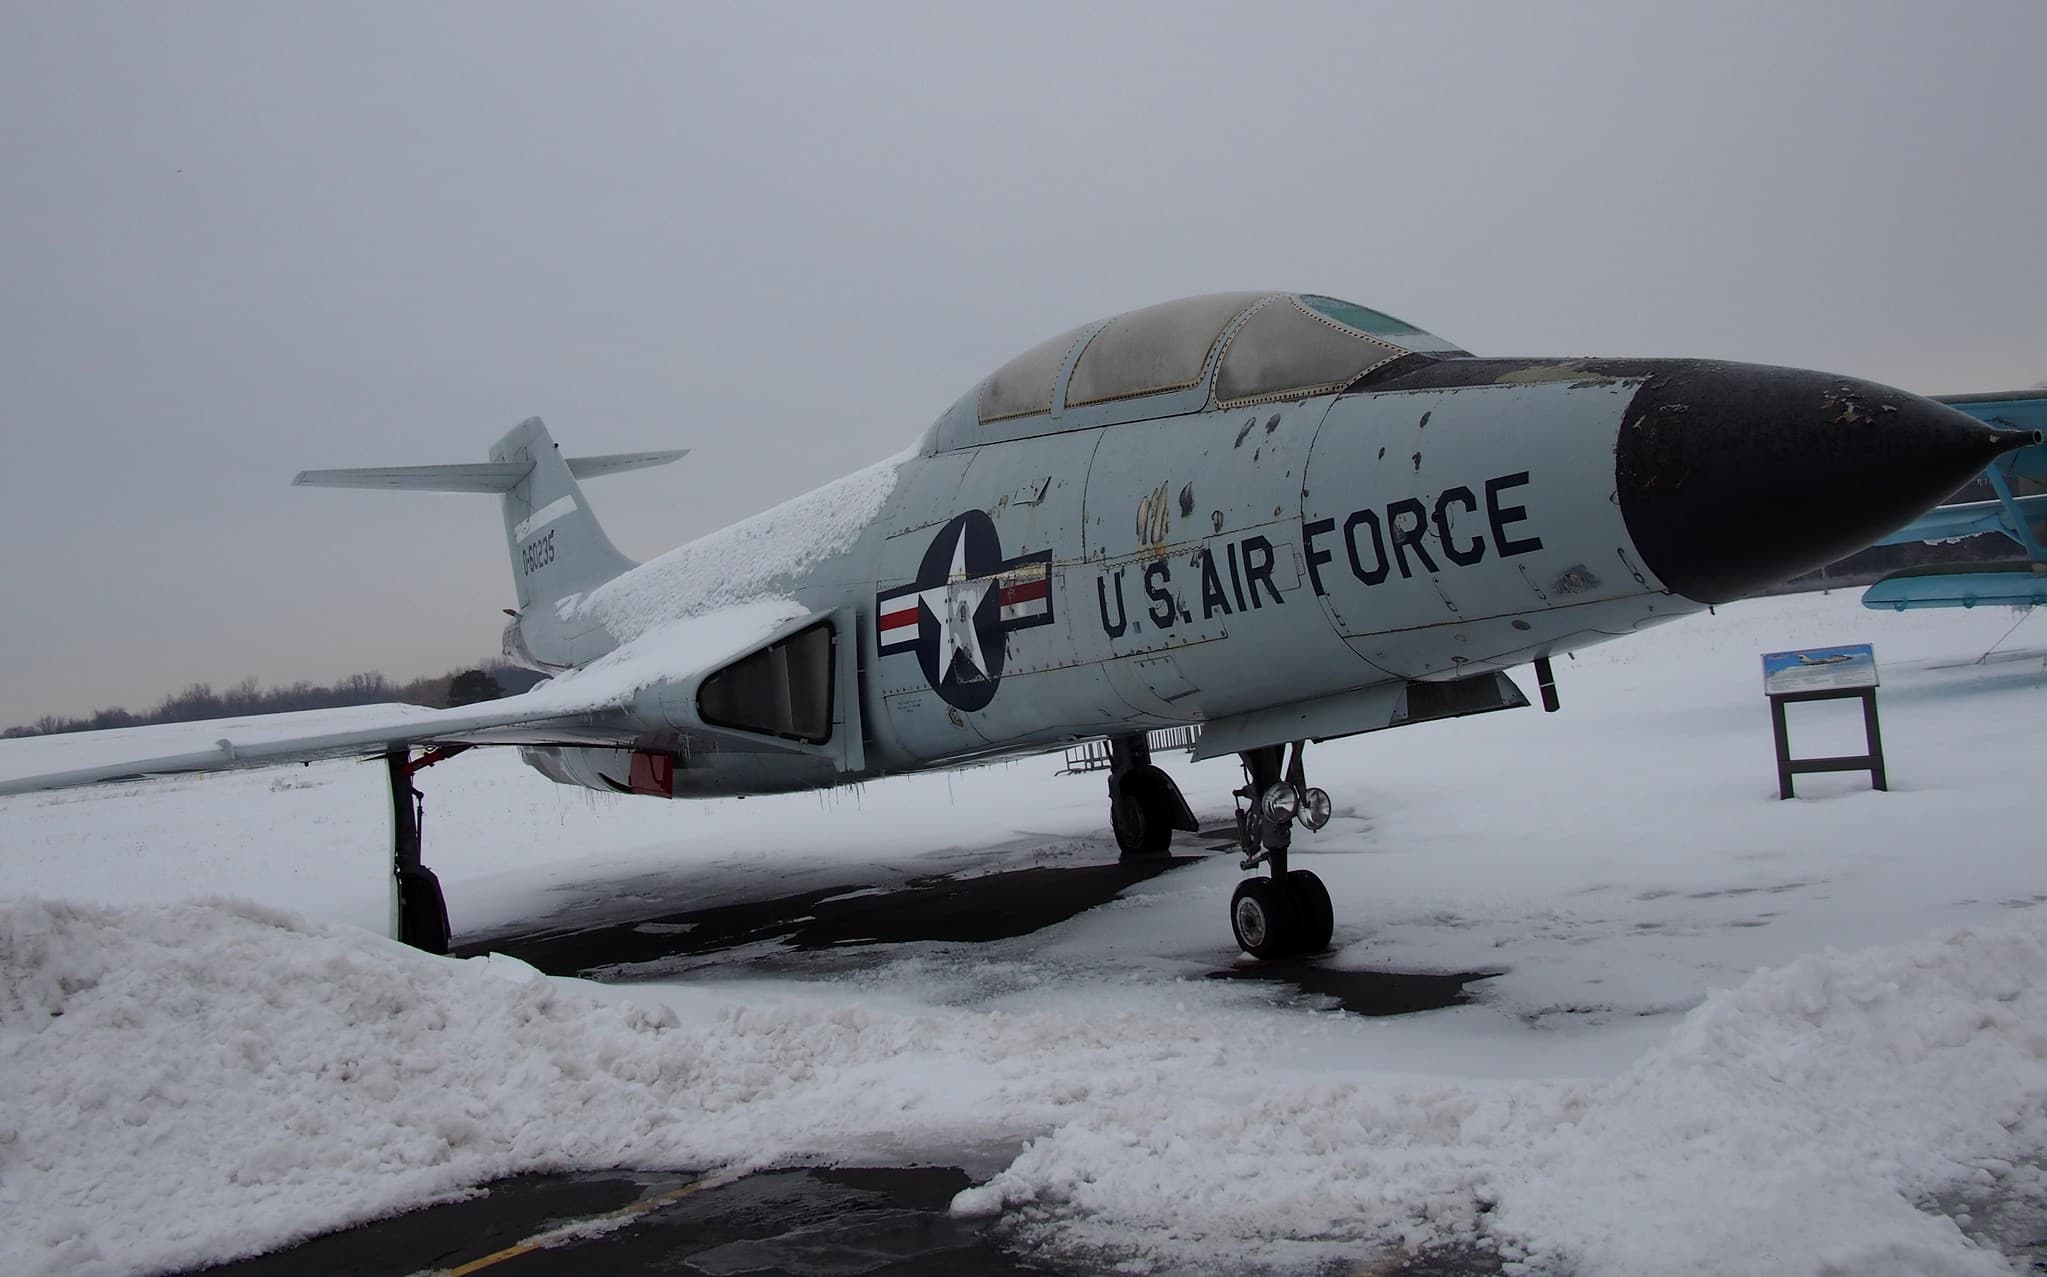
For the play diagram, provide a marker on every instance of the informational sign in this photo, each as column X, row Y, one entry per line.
column 1819, row 669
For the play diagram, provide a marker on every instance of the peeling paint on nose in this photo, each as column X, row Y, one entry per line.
column 1733, row 477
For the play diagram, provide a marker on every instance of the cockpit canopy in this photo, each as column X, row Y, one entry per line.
column 1223, row 350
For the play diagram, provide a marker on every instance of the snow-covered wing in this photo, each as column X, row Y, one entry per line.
column 587, row 706
column 85, row 758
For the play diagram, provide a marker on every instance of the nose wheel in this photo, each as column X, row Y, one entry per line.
column 1286, row 913
column 1315, row 911
column 1283, row 918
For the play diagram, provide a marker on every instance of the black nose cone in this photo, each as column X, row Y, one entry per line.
column 1733, row 477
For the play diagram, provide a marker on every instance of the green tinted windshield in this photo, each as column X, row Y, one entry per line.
column 1371, row 322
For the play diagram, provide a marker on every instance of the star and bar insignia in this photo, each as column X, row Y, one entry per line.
column 958, row 612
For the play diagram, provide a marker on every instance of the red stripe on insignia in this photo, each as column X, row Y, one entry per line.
column 1028, row 592
column 908, row 616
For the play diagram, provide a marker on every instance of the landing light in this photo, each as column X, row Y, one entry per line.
column 1314, row 807
column 1279, row 804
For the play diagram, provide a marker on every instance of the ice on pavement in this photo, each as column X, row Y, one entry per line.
column 184, row 1079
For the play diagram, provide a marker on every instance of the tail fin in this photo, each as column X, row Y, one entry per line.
column 557, row 546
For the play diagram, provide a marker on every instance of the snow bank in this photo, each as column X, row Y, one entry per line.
column 195, row 1082
column 192, row 1082
column 1794, row 1124
column 744, row 560
column 1793, row 1120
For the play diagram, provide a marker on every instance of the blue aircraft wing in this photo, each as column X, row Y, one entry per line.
column 1968, row 519
column 2015, row 584
column 2020, row 583
column 2011, row 410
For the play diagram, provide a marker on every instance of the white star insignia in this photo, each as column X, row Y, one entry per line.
column 953, row 606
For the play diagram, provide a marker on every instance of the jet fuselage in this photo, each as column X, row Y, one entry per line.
column 1286, row 570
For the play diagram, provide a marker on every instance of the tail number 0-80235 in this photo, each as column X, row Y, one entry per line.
column 539, row 554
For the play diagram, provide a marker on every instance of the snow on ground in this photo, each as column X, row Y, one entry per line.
column 1628, row 1095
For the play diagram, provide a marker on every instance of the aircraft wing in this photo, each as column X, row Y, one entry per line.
column 1966, row 519
column 593, row 705
column 2012, row 410
column 86, row 758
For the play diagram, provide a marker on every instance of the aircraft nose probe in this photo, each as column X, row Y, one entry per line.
column 1734, row 477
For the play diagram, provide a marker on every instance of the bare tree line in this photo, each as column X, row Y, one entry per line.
column 201, row 701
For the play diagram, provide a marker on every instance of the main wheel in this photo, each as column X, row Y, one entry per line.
column 1140, row 814
column 422, row 909
column 1312, row 904
column 1264, row 919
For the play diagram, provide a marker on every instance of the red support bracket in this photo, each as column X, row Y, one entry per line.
column 438, row 754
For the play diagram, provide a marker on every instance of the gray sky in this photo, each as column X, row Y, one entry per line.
column 237, row 240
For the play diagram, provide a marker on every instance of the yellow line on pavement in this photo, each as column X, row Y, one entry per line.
column 563, row 1232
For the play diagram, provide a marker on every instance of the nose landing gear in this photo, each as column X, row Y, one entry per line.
column 1287, row 913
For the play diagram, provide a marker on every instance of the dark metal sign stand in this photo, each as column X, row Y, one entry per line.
column 1824, row 674
column 1871, row 762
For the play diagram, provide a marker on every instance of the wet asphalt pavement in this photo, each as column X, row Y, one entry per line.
column 888, row 1221
column 657, row 941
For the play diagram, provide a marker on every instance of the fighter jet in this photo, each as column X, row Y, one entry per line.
column 1277, row 517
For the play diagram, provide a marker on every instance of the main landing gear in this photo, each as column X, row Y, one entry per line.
column 1145, row 806
column 1287, row 913
column 419, row 913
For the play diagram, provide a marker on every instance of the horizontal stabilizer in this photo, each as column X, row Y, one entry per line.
column 2012, row 584
column 592, row 467
column 479, row 476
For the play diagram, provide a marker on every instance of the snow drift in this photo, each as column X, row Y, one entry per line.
column 198, row 1081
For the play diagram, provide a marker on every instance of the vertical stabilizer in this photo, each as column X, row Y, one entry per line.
column 557, row 547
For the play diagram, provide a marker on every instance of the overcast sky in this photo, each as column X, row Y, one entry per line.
column 237, row 240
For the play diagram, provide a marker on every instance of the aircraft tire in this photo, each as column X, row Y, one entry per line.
column 1317, row 913
column 1264, row 920
column 422, row 910
column 1141, row 814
